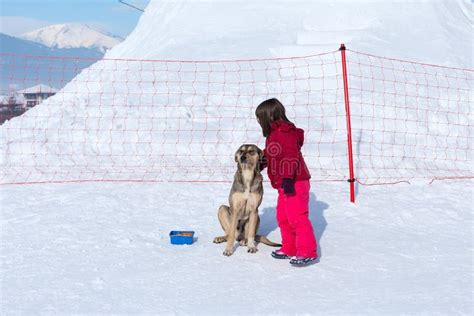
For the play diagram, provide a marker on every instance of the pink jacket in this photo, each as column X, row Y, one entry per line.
column 283, row 153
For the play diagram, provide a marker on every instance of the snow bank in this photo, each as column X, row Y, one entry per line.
column 109, row 104
column 429, row 31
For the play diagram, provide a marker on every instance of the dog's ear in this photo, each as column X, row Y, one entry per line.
column 237, row 158
column 236, row 155
column 260, row 153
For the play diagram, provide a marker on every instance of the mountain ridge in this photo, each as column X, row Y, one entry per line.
column 72, row 35
column 79, row 58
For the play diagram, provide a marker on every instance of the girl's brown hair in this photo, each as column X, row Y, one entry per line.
column 269, row 111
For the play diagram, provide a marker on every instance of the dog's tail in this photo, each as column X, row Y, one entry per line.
column 266, row 241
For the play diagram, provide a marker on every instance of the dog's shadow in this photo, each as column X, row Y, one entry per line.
column 268, row 221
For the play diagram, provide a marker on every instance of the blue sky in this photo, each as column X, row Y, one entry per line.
column 20, row 16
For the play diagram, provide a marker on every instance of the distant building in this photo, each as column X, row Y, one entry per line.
column 35, row 95
column 18, row 102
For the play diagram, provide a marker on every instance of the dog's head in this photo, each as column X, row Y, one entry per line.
column 248, row 156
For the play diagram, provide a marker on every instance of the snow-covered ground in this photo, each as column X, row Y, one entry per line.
column 104, row 248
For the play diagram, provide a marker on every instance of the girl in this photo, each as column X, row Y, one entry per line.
column 290, row 176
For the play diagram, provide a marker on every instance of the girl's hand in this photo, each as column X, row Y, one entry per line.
column 288, row 186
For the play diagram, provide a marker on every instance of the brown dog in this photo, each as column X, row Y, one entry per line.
column 240, row 221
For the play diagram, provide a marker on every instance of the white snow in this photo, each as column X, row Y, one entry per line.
column 104, row 248
column 73, row 35
column 435, row 31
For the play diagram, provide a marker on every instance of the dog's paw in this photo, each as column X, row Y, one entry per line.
column 228, row 252
column 252, row 250
column 219, row 240
column 243, row 242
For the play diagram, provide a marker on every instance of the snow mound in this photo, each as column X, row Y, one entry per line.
column 109, row 103
column 436, row 31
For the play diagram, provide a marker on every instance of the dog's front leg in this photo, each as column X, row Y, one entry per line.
column 252, row 231
column 229, row 249
column 224, row 219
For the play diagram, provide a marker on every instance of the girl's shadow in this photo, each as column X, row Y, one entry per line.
column 268, row 221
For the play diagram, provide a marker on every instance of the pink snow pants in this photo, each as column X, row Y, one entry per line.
column 293, row 219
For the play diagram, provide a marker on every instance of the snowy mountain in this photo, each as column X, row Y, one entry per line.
column 72, row 36
column 16, row 46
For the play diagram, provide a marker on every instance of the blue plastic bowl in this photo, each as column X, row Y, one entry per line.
column 178, row 237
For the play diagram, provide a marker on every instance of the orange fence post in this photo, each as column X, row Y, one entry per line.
column 351, row 179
